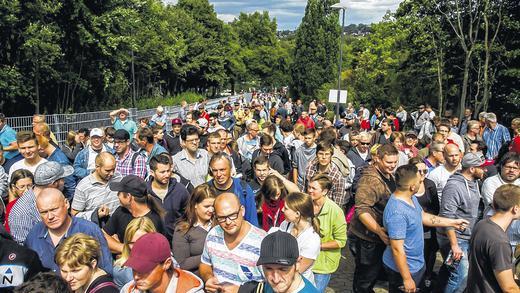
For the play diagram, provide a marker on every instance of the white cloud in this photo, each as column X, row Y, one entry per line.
column 226, row 17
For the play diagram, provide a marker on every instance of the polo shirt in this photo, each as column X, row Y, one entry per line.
column 195, row 171
column 8, row 136
column 127, row 125
column 40, row 241
column 91, row 194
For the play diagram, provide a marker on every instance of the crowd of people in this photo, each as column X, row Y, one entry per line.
column 262, row 195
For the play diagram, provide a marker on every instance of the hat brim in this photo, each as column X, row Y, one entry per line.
column 67, row 171
column 116, row 186
column 276, row 261
column 142, row 266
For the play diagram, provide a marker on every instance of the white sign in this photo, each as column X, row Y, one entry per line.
column 333, row 96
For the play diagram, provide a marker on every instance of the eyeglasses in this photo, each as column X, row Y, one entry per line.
column 364, row 143
column 24, row 187
column 193, row 140
column 232, row 217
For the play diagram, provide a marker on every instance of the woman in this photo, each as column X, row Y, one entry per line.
column 333, row 229
column 398, row 141
column 272, row 195
column 190, row 233
column 515, row 143
column 135, row 229
column 21, row 181
column 305, row 227
column 429, row 201
column 77, row 258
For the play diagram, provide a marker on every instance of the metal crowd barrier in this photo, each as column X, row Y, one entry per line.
column 61, row 124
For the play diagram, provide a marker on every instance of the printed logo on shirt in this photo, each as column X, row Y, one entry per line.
column 11, row 275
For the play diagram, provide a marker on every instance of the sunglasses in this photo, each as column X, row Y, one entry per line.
column 364, row 143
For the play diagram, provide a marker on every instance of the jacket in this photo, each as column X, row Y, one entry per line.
column 371, row 197
column 174, row 203
column 173, row 143
column 81, row 162
column 70, row 182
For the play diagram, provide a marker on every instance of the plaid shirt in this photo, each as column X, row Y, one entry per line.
column 337, row 193
column 124, row 165
column 494, row 139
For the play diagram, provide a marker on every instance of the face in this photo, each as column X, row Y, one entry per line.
column 452, row 156
column 315, row 190
column 478, row 172
column 53, row 211
column 159, row 135
column 204, row 210
column 192, row 142
column 189, row 119
column 125, row 199
column 510, row 172
column 221, row 172
column 444, row 131
column 305, row 115
column 37, row 120
column 76, row 277
column 385, row 127
column 122, row 115
column 138, row 234
column 280, row 277
column 253, row 130
column 309, row 140
column 212, row 121
column 439, row 156
column 22, row 185
column 176, row 129
column 398, row 143
column 423, row 170
column 324, row 157
column 410, row 141
column 150, row 280
column 96, row 142
column 364, row 144
column 455, row 121
column 467, row 112
column 267, row 150
column 290, row 214
column 106, row 170
column 214, row 145
column 163, row 173
column 474, row 129
column 28, row 149
column 121, row 146
column 82, row 137
column 230, row 217
column 261, row 172
column 387, row 164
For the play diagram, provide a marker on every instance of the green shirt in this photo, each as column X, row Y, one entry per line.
column 333, row 227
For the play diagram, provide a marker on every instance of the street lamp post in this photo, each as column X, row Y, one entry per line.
column 343, row 7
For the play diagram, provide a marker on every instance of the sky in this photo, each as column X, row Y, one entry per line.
column 289, row 13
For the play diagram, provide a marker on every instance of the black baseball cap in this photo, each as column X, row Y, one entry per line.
column 132, row 184
column 279, row 248
column 121, row 134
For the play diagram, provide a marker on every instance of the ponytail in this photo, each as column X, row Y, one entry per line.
column 315, row 222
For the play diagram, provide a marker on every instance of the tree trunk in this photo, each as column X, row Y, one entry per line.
column 37, row 89
column 465, row 81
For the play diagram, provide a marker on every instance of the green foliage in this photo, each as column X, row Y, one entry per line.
column 152, row 102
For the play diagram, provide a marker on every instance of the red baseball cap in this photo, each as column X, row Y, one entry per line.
column 149, row 251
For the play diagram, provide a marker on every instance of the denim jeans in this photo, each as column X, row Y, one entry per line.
column 322, row 280
column 122, row 275
column 453, row 278
column 369, row 263
column 395, row 280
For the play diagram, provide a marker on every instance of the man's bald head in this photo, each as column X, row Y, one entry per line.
column 452, row 155
column 49, row 194
column 227, row 199
column 105, row 158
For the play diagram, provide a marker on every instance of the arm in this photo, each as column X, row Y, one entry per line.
column 305, row 263
column 371, row 224
column 295, row 175
column 113, row 244
column 366, row 198
column 506, row 281
column 449, row 205
column 211, row 282
column 113, row 115
column 289, row 185
column 339, row 232
column 435, row 221
column 181, row 252
column 399, row 255
column 13, row 146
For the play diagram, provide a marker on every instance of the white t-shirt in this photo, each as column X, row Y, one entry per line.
column 22, row 165
column 309, row 243
column 439, row 176
column 458, row 140
column 364, row 156
column 490, row 185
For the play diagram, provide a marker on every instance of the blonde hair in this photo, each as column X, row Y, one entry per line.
column 71, row 138
column 516, row 125
column 43, row 142
column 78, row 250
column 302, row 203
column 138, row 224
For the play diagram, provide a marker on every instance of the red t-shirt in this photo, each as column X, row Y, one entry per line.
column 515, row 145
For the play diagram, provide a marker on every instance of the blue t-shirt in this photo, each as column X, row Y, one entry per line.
column 403, row 221
column 8, row 136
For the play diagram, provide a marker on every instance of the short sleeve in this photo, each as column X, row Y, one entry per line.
column 311, row 246
column 79, row 200
column 395, row 225
column 205, row 258
column 500, row 256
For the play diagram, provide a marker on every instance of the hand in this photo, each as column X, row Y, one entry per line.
column 229, row 289
column 274, row 172
column 212, row 285
column 409, row 285
column 456, row 252
column 460, row 224
column 103, row 211
column 384, row 237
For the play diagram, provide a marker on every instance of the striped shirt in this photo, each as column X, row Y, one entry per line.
column 494, row 139
column 195, row 171
column 91, row 194
column 238, row 265
column 124, row 165
column 24, row 215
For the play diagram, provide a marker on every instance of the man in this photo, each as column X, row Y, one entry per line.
column 214, row 124
column 93, row 199
column 435, row 156
column 490, row 267
column 28, row 147
column 232, row 248
column 495, row 135
column 17, row 263
column 214, row 144
column 159, row 118
column 303, row 156
column 450, row 136
column 24, row 214
column 225, row 117
column 306, row 120
column 441, row 174
column 120, row 120
column 382, row 136
column 57, row 225
column 280, row 261
column 266, row 149
column 191, row 162
column 226, row 146
column 436, row 137
column 323, row 164
column 135, row 202
column 420, row 118
column 220, row 168
column 85, row 161
column 8, row 142
column 167, row 190
column 261, row 171
column 248, row 142
column 173, row 137
column 367, row 238
column 279, row 149
column 149, row 148
column 153, row 269
column 472, row 134
column 410, row 140
column 128, row 162
column 468, row 112
column 404, row 218
column 509, row 174
column 360, row 155
column 460, row 199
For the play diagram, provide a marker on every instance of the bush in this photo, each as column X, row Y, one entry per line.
column 153, row 102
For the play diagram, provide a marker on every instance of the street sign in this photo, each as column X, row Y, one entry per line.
column 333, row 96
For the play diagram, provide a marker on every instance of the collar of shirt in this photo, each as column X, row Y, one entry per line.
column 184, row 154
column 45, row 232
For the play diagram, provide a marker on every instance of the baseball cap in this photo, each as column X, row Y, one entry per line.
column 279, row 248
column 176, row 121
column 202, row 122
column 132, row 184
column 148, row 251
column 51, row 171
column 411, row 133
column 121, row 134
column 96, row 132
column 472, row 160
